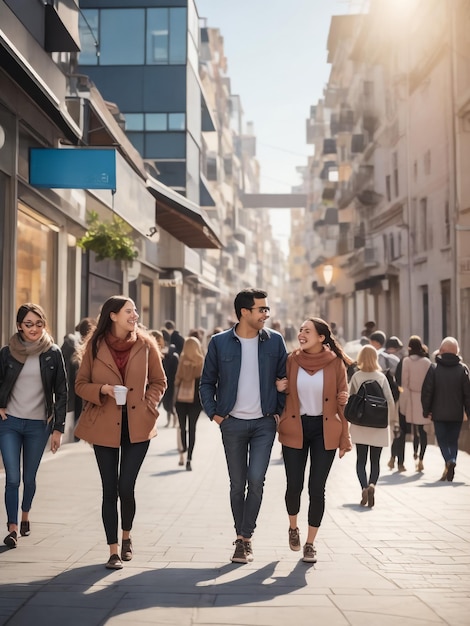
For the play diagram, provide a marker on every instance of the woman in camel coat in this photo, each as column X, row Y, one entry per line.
column 119, row 353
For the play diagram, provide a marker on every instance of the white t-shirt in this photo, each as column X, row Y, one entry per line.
column 248, row 403
column 310, row 390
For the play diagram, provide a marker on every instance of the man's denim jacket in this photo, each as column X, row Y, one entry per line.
column 219, row 380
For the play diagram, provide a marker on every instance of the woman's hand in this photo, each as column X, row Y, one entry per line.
column 55, row 441
column 342, row 397
column 107, row 390
column 3, row 414
column 281, row 384
column 342, row 452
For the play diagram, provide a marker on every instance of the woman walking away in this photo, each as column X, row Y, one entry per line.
column 312, row 423
column 415, row 368
column 119, row 353
column 33, row 397
column 370, row 440
column 188, row 407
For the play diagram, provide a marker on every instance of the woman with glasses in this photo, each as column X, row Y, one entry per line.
column 33, row 401
column 312, row 424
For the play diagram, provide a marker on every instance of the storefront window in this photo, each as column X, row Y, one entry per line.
column 36, row 254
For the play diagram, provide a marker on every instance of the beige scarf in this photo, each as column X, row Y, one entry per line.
column 21, row 350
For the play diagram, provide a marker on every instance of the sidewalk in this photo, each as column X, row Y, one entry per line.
column 406, row 560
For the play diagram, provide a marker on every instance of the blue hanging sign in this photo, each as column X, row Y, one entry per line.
column 73, row 168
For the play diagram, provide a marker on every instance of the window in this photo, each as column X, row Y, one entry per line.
column 427, row 163
column 121, row 41
column 133, row 36
column 134, row 121
column 388, row 188
column 36, row 256
column 425, row 304
column 89, row 36
column 154, row 122
column 423, row 225
column 445, row 307
column 166, row 36
column 446, row 225
column 396, row 187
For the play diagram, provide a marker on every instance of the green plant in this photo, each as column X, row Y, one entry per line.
column 108, row 240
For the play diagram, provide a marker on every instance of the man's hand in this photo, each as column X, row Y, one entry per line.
column 55, row 441
column 218, row 419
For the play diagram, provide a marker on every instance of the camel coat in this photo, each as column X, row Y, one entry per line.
column 335, row 395
column 413, row 373
column 101, row 418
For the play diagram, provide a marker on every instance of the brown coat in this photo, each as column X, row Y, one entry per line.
column 335, row 426
column 100, row 421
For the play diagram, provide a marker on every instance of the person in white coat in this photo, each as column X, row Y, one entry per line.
column 414, row 370
column 370, row 441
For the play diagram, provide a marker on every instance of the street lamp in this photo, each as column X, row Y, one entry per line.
column 327, row 274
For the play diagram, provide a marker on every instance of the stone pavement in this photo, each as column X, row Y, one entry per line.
column 407, row 560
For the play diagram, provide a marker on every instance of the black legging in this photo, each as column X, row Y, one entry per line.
column 295, row 461
column 420, row 440
column 362, row 453
column 118, row 477
column 189, row 411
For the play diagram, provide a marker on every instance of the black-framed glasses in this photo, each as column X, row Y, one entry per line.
column 38, row 324
column 261, row 309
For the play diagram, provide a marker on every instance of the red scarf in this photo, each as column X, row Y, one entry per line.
column 120, row 349
column 313, row 363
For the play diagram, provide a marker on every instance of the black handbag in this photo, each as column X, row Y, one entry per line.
column 368, row 407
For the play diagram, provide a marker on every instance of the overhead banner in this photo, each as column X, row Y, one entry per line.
column 73, row 168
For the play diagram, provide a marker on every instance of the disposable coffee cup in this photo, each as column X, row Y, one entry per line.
column 120, row 394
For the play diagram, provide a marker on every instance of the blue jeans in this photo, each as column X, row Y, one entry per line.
column 18, row 435
column 248, row 445
column 447, row 435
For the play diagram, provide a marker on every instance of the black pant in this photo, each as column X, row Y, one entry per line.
column 188, row 411
column 362, row 453
column 398, row 444
column 295, row 462
column 119, row 468
column 420, row 440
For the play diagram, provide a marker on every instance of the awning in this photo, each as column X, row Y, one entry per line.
column 183, row 219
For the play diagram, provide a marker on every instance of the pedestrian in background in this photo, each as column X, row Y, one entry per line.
column 414, row 370
column 445, row 396
column 188, row 405
column 175, row 337
column 170, row 359
column 69, row 348
column 370, row 441
column 119, row 353
column 400, row 428
column 238, row 392
column 312, row 423
column 33, row 401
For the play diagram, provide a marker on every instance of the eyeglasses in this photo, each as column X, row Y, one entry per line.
column 38, row 324
column 261, row 309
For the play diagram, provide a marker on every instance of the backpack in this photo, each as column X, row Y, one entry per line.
column 367, row 407
column 394, row 388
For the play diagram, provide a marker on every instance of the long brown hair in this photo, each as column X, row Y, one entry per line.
column 323, row 328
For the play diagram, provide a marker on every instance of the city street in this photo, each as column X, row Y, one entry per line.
column 405, row 561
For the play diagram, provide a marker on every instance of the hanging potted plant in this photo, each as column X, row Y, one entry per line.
column 108, row 240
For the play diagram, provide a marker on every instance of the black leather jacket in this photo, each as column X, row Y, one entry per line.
column 446, row 389
column 54, row 382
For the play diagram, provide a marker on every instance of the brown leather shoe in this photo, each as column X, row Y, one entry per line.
column 126, row 549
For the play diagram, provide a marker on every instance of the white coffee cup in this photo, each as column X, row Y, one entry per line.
column 120, row 394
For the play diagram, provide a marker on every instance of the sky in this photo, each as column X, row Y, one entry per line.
column 277, row 63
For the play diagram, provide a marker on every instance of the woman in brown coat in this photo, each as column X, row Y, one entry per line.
column 119, row 353
column 312, row 423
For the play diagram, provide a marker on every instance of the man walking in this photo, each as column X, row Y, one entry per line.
column 445, row 395
column 238, row 392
